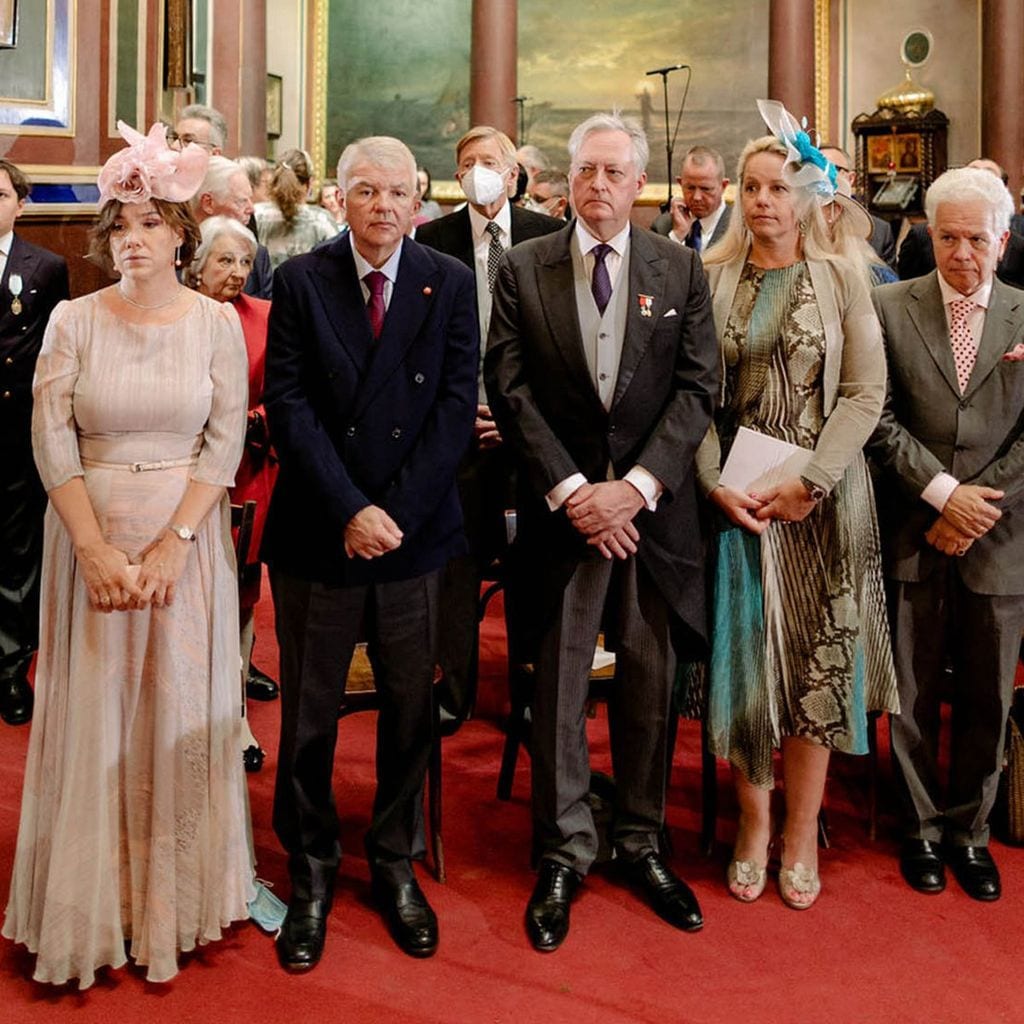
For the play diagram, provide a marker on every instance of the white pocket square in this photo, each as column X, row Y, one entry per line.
column 671, row 312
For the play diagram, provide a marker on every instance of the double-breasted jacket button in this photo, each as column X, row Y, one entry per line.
column 351, row 432
column 9, row 361
column 396, row 433
column 419, row 378
column 7, row 394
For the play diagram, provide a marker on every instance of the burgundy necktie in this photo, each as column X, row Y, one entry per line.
column 600, row 282
column 375, row 281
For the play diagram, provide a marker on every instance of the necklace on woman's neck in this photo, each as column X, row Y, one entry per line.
column 138, row 305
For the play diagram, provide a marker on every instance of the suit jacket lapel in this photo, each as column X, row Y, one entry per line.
column 929, row 317
column 335, row 280
column 419, row 277
column 646, row 277
column 556, row 287
column 996, row 337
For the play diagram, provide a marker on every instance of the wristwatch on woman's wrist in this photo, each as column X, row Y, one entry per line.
column 182, row 532
column 816, row 491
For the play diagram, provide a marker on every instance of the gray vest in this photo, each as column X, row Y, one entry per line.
column 602, row 336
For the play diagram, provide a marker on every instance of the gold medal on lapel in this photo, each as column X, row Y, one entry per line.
column 15, row 285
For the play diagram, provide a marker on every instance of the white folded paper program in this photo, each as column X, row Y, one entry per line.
column 758, row 462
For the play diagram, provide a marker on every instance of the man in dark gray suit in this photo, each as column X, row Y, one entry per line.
column 602, row 371
column 951, row 444
column 486, row 169
column 699, row 217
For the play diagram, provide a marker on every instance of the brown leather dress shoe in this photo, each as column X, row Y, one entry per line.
column 547, row 913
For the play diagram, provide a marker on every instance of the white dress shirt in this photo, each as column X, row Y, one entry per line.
column 649, row 486
column 389, row 270
column 707, row 228
column 481, row 247
column 942, row 485
column 6, row 241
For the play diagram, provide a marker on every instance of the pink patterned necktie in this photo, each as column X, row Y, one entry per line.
column 375, row 281
column 964, row 349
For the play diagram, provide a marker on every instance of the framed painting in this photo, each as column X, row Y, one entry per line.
column 880, row 154
column 566, row 82
column 275, row 88
column 37, row 95
column 8, row 24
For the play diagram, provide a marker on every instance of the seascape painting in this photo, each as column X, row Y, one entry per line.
column 568, row 72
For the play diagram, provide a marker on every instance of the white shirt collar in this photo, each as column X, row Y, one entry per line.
column 390, row 268
column 587, row 241
column 980, row 297
column 6, row 241
column 710, row 222
column 478, row 222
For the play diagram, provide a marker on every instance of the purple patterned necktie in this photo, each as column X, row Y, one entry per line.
column 693, row 239
column 375, row 281
column 600, row 282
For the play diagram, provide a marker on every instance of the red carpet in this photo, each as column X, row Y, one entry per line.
column 870, row 950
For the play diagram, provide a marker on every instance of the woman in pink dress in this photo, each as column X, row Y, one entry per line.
column 133, row 833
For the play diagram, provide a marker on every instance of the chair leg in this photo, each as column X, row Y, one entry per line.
column 514, row 730
column 434, row 791
column 709, row 793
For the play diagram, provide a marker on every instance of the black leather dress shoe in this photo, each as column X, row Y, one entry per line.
column 301, row 942
column 15, row 700
column 671, row 898
column 921, row 865
column 547, row 913
column 410, row 919
column 976, row 872
column 259, row 686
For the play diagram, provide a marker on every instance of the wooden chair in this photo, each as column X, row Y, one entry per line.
column 361, row 695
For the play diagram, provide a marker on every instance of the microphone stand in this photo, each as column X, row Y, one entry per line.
column 670, row 139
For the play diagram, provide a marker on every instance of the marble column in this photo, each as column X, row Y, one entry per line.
column 493, row 57
column 1002, row 85
column 791, row 56
column 238, row 73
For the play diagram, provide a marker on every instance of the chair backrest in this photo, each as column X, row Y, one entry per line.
column 243, row 517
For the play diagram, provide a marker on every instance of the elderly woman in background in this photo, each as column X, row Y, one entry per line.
column 133, row 837
column 800, row 648
column 287, row 224
column 219, row 270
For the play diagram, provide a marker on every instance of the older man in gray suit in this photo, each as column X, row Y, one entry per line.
column 951, row 444
column 602, row 371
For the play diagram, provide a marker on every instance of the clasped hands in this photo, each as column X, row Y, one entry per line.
column 370, row 533
column 603, row 513
column 790, row 502
column 116, row 584
column 966, row 516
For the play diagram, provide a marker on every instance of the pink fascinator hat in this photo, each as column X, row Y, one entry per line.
column 149, row 169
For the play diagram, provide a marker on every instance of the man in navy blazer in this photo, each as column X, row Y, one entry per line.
column 32, row 282
column 370, row 395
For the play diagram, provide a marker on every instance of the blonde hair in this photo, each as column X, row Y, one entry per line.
column 485, row 131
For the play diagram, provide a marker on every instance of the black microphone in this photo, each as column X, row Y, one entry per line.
column 671, row 67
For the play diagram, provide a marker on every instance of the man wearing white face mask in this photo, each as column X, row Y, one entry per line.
column 477, row 235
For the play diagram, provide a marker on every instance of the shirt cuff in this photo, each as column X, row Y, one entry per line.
column 562, row 492
column 649, row 486
column 675, row 237
column 939, row 490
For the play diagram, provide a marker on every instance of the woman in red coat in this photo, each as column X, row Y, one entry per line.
column 219, row 270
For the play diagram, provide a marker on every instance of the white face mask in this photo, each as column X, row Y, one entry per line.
column 482, row 185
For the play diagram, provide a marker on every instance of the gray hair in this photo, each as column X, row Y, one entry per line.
column 211, row 229
column 381, row 151
column 613, row 122
column 534, row 157
column 219, row 171
column 254, row 166
column 971, row 184
column 214, row 118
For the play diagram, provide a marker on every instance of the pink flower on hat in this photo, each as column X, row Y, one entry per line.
column 149, row 169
